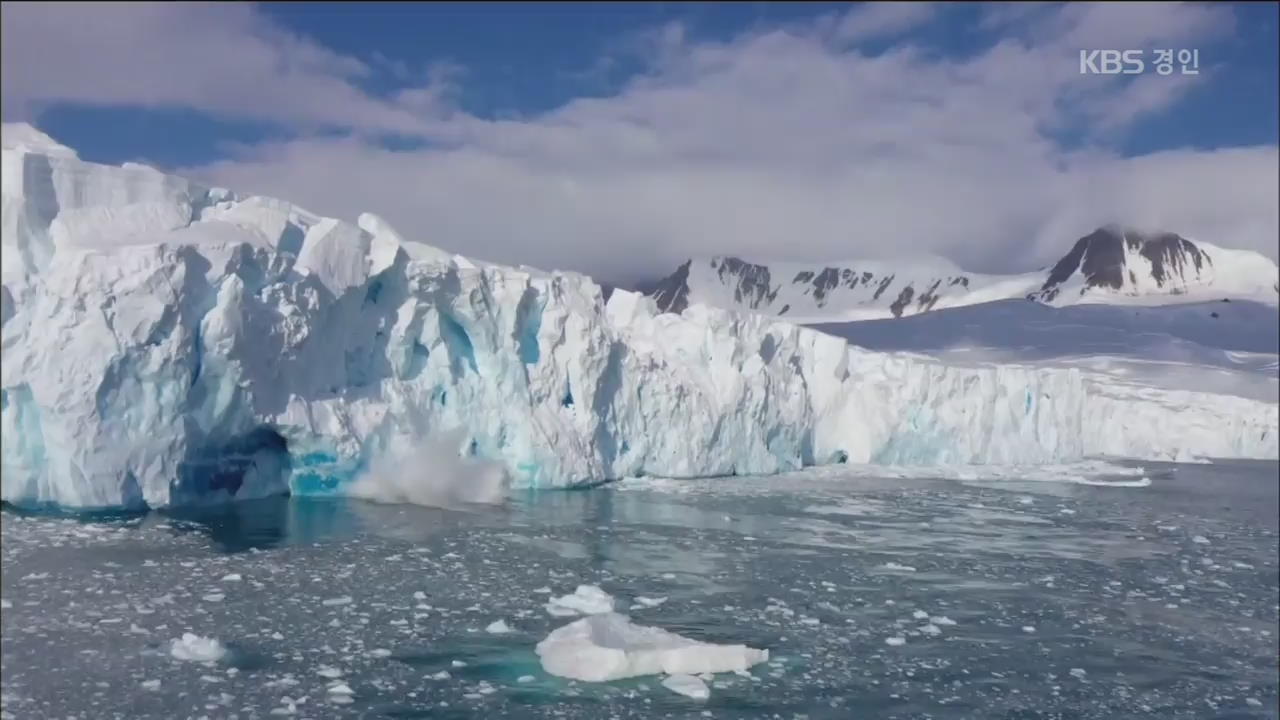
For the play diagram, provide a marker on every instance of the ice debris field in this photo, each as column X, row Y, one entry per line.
column 169, row 344
column 875, row 597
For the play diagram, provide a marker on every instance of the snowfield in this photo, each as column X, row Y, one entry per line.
column 166, row 343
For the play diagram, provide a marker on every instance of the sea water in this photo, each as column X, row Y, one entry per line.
column 903, row 597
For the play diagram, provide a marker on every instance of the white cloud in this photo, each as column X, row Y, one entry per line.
column 878, row 19
column 785, row 144
column 226, row 59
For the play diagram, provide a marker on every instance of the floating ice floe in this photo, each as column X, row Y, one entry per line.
column 498, row 627
column 194, row 648
column 586, row 600
column 688, row 685
column 608, row 646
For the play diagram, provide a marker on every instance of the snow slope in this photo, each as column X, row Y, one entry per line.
column 1112, row 265
column 165, row 343
column 1229, row 347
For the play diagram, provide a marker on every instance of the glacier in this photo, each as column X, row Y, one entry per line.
column 166, row 343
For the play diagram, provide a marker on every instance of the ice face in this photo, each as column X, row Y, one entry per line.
column 166, row 343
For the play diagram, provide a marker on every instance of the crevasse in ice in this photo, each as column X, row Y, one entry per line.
column 166, row 343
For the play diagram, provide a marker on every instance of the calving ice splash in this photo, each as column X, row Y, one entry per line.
column 166, row 343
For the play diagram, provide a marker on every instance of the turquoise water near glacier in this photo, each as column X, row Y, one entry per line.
column 1068, row 601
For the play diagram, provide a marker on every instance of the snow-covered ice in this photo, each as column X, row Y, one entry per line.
column 608, row 646
column 195, row 648
column 167, row 343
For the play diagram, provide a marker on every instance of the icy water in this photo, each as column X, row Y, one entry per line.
column 878, row 598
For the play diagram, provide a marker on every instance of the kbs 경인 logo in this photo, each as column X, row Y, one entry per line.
column 1134, row 62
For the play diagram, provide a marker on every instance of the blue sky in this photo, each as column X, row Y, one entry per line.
column 745, row 105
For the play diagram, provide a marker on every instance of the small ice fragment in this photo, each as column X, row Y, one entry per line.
column 197, row 649
column 150, row 684
column 442, row 675
column 919, row 615
column 895, row 641
column 419, row 595
column 1026, row 500
column 232, row 577
column 525, row 679
column 931, row 629
column 329, row 672
column 586, row 600
column 341, row 689
column 942, row 620
column 544, row 590
column 896, row 566
column 213, row 597
column 344, row 600
column 687, row 685
column 1253, row 702
column 498, row 627
column 668, row 576
column 458, row 664
column 1078, row 672
column 1200, row 540
column 642, row 601
column 380, row 653
column 1028, row 629
column 5, row 604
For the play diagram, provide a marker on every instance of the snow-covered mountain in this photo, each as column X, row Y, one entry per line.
column 1110, row 265
column 168, row 343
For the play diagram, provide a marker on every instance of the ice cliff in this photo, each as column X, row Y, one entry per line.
column 167, row 343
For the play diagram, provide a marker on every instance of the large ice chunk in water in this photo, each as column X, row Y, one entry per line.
column 166, row 343
column 194, row 648
column 608, row 646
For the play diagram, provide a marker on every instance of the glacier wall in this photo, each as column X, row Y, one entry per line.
column 165, row 343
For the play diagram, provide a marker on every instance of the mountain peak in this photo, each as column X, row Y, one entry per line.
column 1113, row 264
column 1128, row 261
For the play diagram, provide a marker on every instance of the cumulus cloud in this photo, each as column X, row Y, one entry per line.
column 789, row 143
column 879, row 19
column 226, row 59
